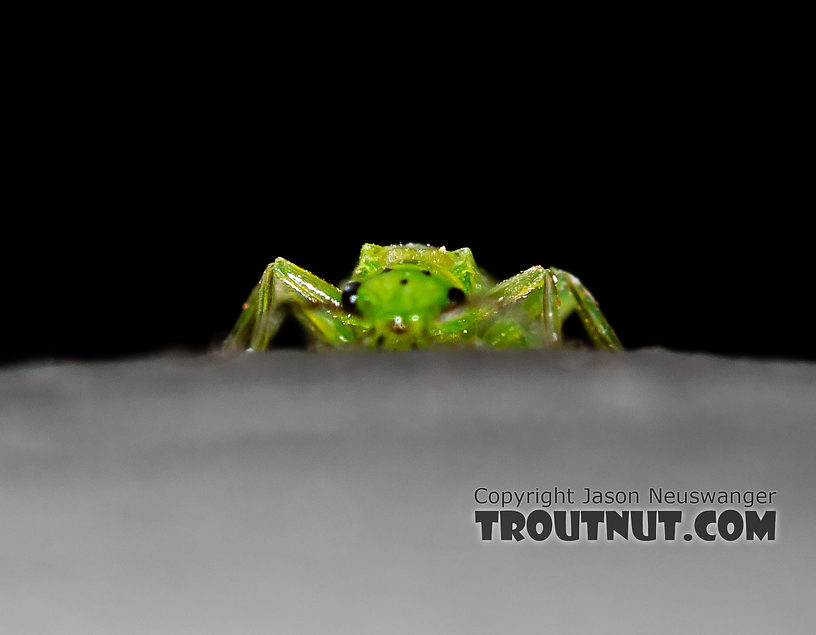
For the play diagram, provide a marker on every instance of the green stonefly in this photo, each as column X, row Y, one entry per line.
column 408, row 296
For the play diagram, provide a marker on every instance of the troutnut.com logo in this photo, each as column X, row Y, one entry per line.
column 704, row 515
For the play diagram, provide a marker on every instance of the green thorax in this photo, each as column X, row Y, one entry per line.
column 408, row 293
column 400, row 291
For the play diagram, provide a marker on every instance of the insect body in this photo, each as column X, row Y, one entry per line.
column 416, row 296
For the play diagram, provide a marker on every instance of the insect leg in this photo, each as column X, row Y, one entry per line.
column 524, row 311
column 467, row 272
column 313, row 301
column 595, row 323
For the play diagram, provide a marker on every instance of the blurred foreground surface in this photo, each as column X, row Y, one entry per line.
column 302, row 493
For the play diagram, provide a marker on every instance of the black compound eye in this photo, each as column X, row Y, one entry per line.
column 456, row 295
column 349, row 297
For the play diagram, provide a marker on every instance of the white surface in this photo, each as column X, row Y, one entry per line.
column 303, row 493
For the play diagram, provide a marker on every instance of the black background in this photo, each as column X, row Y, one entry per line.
column 151, row 202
